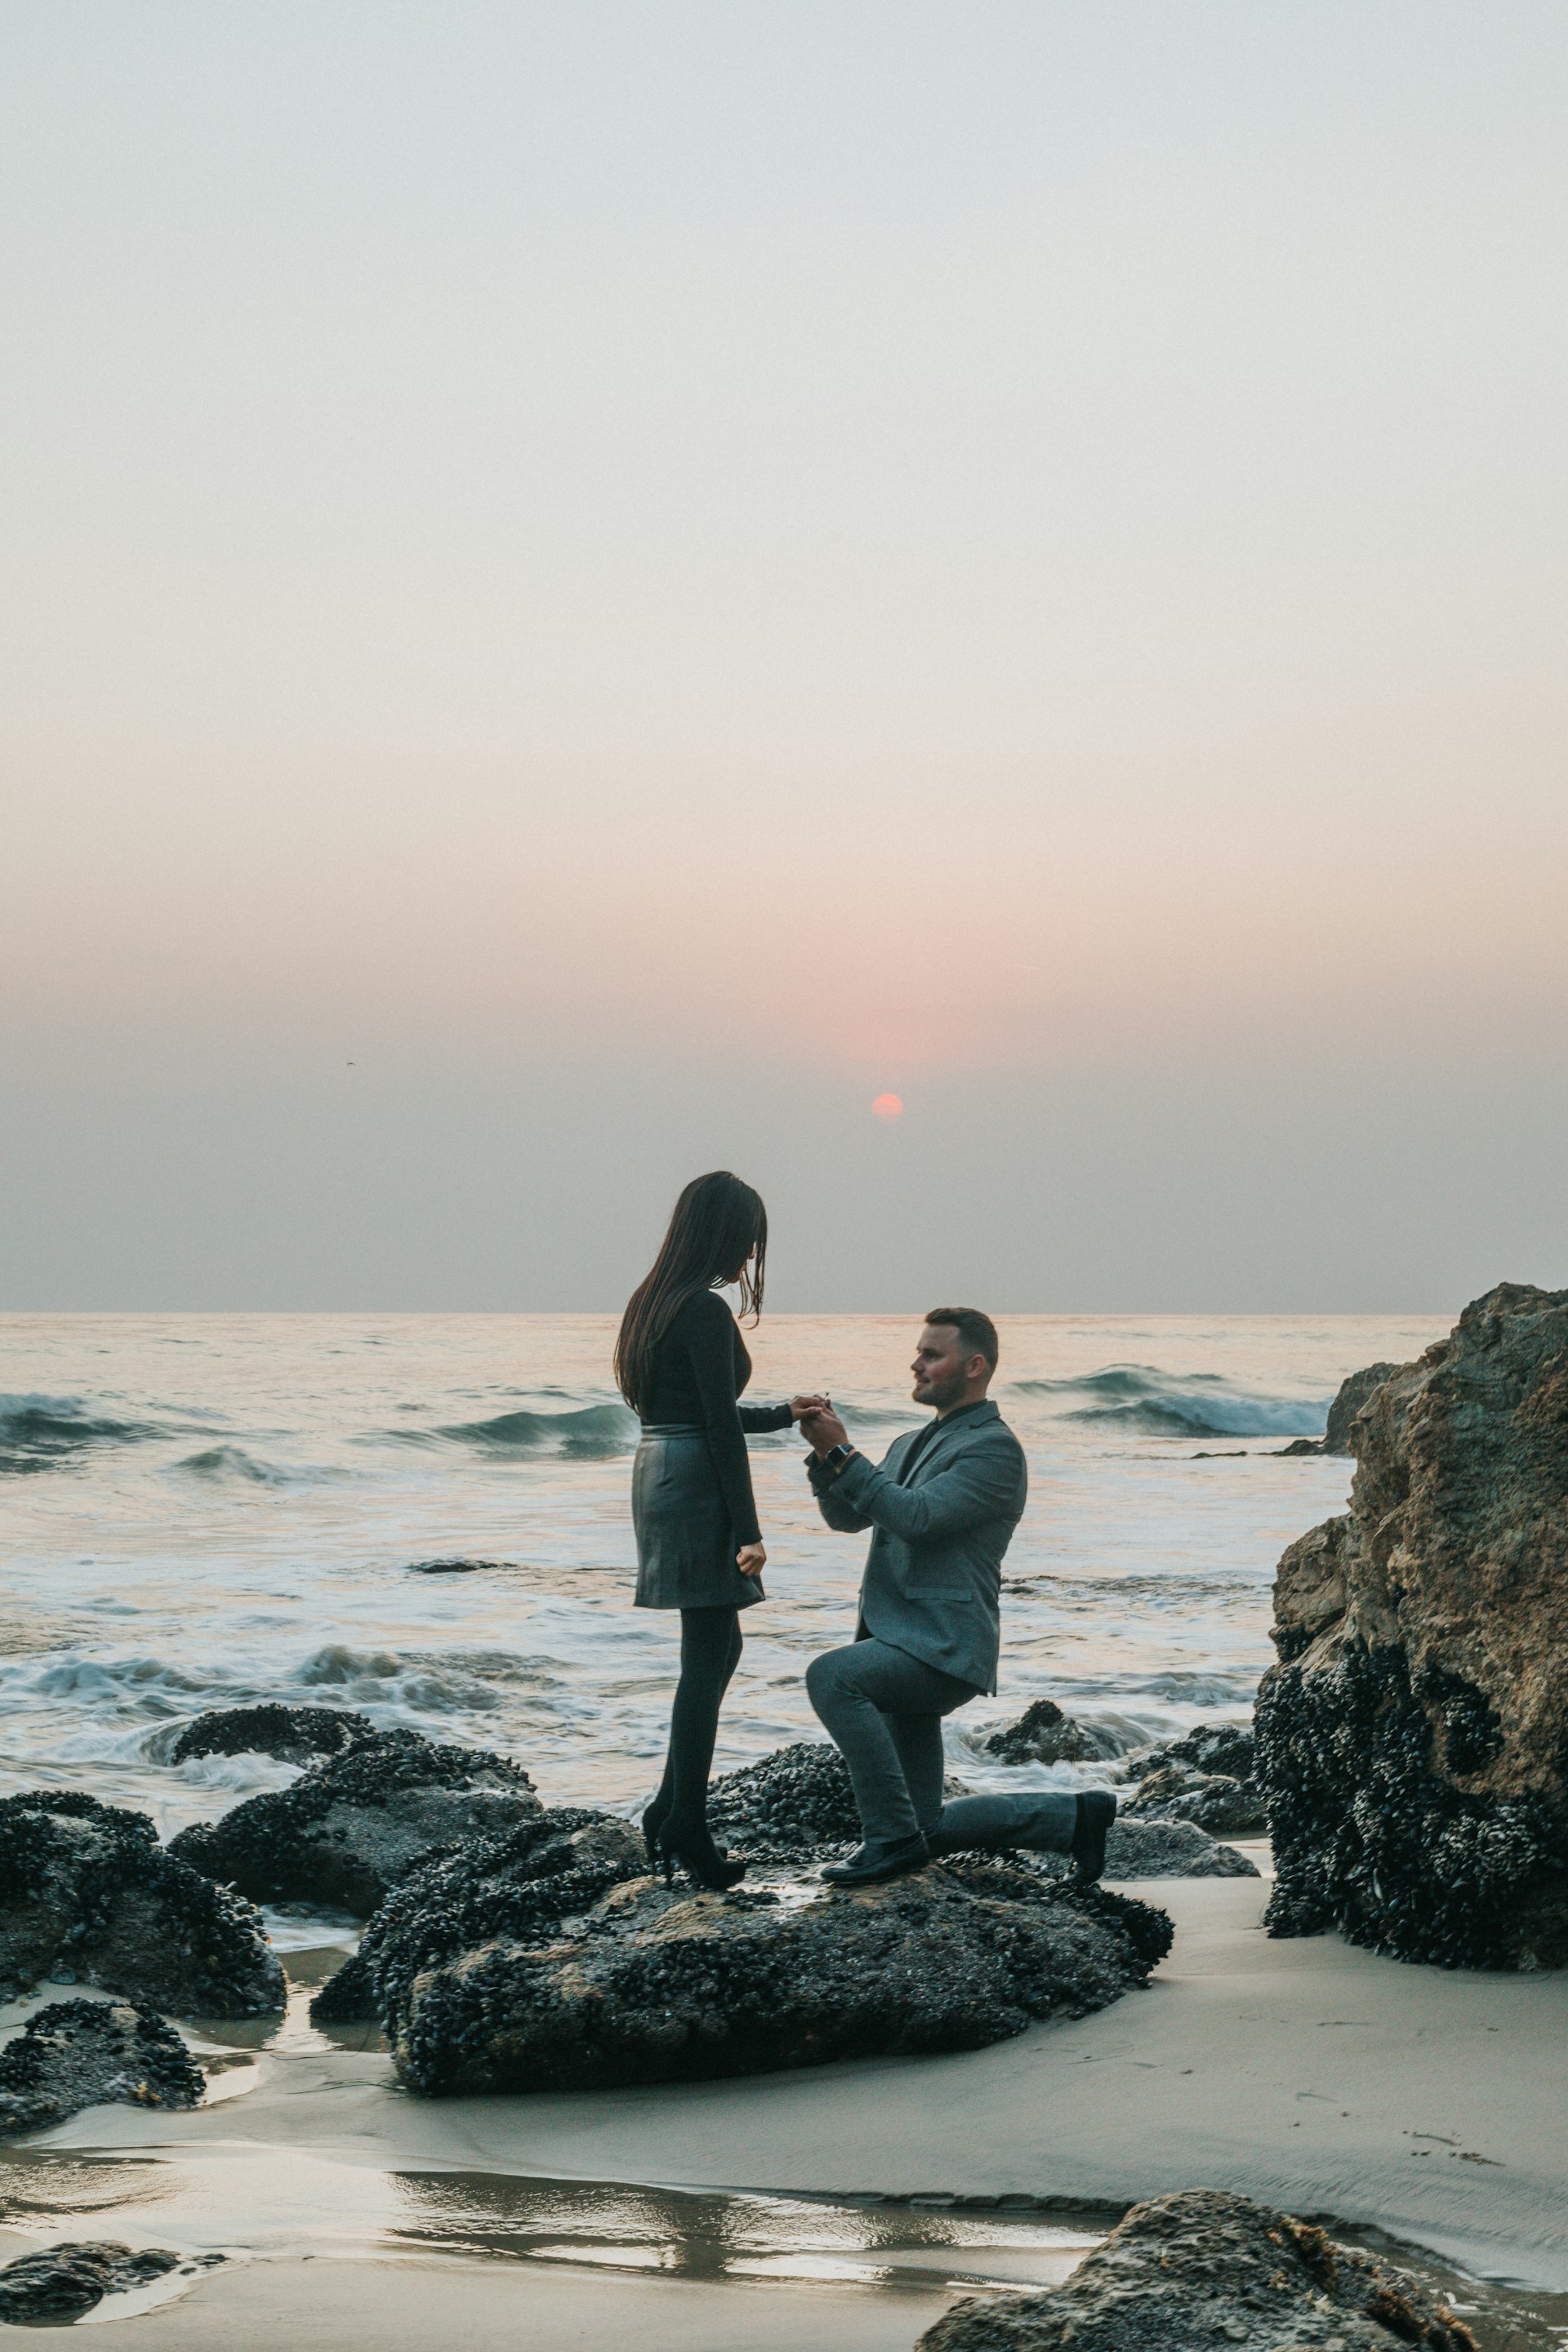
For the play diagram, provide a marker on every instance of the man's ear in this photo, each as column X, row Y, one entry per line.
column 977, row 1368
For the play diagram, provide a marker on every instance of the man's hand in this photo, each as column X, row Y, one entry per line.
column 823, row 1431
column 801, row 1405
column 752, row 1559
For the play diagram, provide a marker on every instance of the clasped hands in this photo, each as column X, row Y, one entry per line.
column 822, row 1428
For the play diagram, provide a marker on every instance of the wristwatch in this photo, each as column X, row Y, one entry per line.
column 836, row 1457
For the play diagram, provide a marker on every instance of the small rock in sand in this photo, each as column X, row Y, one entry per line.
column 356, row 1824
column 88, row 1895
column 1206, row 2272
column 86, row 2054
column 61, row 2281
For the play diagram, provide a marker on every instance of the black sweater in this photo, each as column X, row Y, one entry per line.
column 700, row 1368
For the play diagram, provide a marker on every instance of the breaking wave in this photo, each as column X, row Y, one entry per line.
column 593, row 1431
column 41, row 1433
column 1177, row 1404
column 236, row 1466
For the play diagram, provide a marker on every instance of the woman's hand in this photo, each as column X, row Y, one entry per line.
column 752, row 1559
column 801, row 1405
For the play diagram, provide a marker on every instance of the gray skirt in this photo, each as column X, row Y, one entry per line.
column 686, row 1543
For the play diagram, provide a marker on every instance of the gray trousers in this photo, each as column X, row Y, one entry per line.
column 883, row 1710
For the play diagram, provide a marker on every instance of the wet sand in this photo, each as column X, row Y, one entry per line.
column 313, row 2306
column 1427, row 2102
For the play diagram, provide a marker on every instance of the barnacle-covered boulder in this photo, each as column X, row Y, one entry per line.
column 87, row 2053
column 355, row 1823
column 1410, row 1743
column 544, row 1869
column 655, row 1984
column 1204, row 2271
column 88, row 1895
column 294, row 1735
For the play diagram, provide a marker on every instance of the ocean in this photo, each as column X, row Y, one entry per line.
column 209, row 1510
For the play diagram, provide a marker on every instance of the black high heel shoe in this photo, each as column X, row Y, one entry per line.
column 653, row 1820
column 699, row 1858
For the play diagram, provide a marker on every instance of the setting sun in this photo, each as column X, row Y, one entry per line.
column 888, row 1106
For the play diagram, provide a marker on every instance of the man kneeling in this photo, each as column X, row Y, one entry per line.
column 943, row 1505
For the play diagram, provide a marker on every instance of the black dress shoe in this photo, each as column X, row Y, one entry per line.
column 1096, row 1811
column 874, row 1863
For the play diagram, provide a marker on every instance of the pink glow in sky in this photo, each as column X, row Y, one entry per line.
column 1017, row 546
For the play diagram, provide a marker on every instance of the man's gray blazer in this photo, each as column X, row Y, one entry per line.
column 934, row 1575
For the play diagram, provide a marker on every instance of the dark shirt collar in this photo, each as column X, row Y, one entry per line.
column 976, row 1405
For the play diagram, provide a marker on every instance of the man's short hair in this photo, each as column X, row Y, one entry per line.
column 977, row 1332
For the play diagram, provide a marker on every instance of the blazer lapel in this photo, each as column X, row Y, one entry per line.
column 949, row 1438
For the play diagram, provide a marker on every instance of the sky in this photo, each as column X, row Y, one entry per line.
column 588, row 589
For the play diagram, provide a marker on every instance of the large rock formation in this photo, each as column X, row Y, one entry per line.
column 656, row 1985
column 56, row 2284
column 86, row 2054
column 1204, row 2272
column 521, row 1886
column 1411, row 1742
column 88, row 1895
column 294, row 1735
column 355, row 1823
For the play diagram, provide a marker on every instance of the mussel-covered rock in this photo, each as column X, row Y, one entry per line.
column 1204, row 2271
column 655, row 1985
column 1410, row 1742
column 355, row 1824
column 85, row 2054
column 294, row 1735
column 88, row 1895
column 520, row 1885
column 59, row 2282
column 1044, row 1735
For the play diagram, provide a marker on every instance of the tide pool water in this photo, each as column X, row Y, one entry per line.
column 203, row 1511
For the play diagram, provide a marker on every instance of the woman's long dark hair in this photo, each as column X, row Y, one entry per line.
column 719, row 1224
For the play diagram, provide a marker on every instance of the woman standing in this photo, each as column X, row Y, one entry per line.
column 681, row 1364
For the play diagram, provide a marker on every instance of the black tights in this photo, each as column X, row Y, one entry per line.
column 709, row 1651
